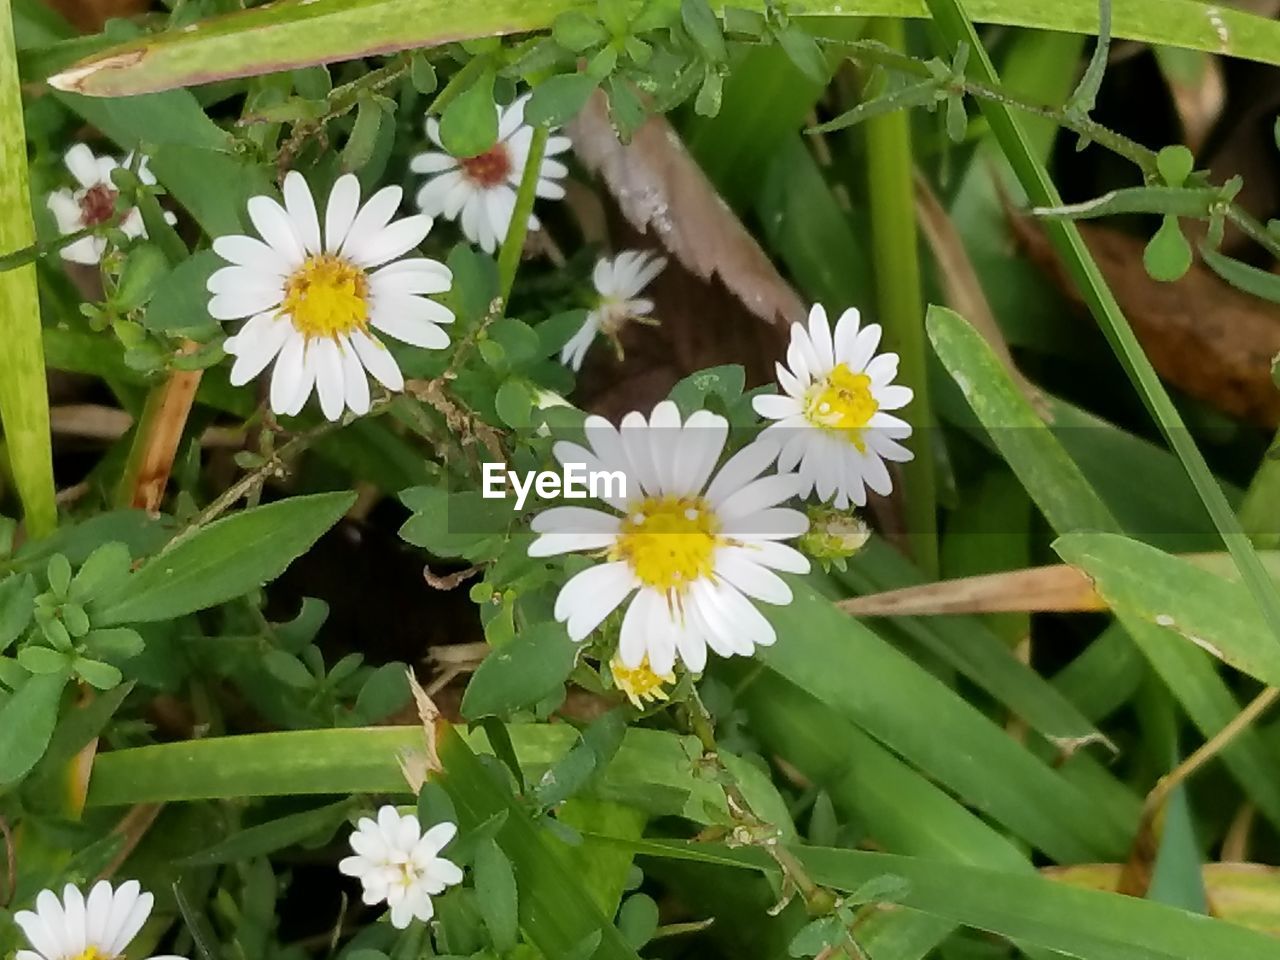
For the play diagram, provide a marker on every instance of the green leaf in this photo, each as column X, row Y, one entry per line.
column 638, row 919
column 101, row 676
column 704, row 28
column 1168, row 254
column 469, row 125
column 385, row 692
column 225, row 559
column 181, row 300
column 423, row 75
column 802, row 50
column 273, row 38
column 817, row 936
column 26, row 724
column 520, row 673
column 1177, row 201
column 497, row 896
column 17, row 595
column 288, row 669
column 265, row 838
column 1175, row 163
column 42, row 660
column 922, row 94
column 24, row 394
column 143, row 269
column 1243, row 276
column 558, row 99
column 58, row 573
column 514, row 403
column 364, row 134
column 114, row 643
column 576, row 30
column 707, row 103
column 102, row 573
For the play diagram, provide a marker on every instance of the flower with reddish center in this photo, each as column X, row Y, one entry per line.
column 93, row 203
column 833, row 423
column 480, row 191
column 314, row 303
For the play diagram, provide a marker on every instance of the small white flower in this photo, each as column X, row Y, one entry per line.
column 94, row 203
column 396, row 862
column 831, row 419
column 312, row 300
column 481, row 190
column 75, row 928
column 696, row 553
column 619, row 283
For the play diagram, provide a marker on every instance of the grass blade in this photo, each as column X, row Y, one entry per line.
column 281, row 36
column 24, row 399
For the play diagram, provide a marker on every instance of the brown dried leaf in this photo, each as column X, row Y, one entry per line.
column 89, row 16
column 659, row 185
column 1060, row 589
column 1202, row 335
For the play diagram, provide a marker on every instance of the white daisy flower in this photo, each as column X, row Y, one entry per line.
column 696, row 554
column 832, row 419
column 74, row 927
column 94, row 203
column 312, row 300
column 396, row 862
column 619, row 283
column 480, row 191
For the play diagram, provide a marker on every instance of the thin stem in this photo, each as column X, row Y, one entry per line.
column 35, row 251
column 513, row 242
column 896, row 261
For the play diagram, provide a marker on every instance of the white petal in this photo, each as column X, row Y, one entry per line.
column 286, row 376
column 406, row 319
column 820, row 337
column 740, row 469
column 636, row 438
column 344, row 201
column 377, row 360
column 424, row 276
column 243, row 303
column 354, row 380
column 302, row 210
column 751, row 578
column 432, row 195
column 65, row 211
column 98, row 912
column 82, row 164
column 665, row 432
column 893, row 397
column 275, row 227
column 638, row 624
column 233, row 278
column 770, row 553
column 439, row 836
column 390, row 242
column 592, row 595
column 776, row 523
column 254, row 254
column 329, row 377
column 846, row 335
column 432, row 161
column 697, row 450
column 575, row 520
column 133, row 921
column 766, row 492
column 775, row 407
column 510, row 119
column 864, row 348
column 371, row 221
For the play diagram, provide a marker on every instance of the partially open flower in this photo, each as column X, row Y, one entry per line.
column 834, row 536
column 480, row 191
column 93, row 203
column 314, row 302
column 397, row 863
column 619, row 283
column 100, row 927
column 640, row 684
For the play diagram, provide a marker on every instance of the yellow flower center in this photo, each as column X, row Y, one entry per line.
column 842, row 401
column 90, row 953
column 327, row 296
column 669, row 541
column 641, row 683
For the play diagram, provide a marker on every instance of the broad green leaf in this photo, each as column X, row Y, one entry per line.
column 822, row 651
column 24, row 397
column 226, row 559
column 1049, row 475
column 181, row 300
column 496, row 892
column 1147, row 585
column 1167, row 256
column 50, row 781
column 26, row 724
column 519, row 673
column 267, row 39
column 1029, row 909
column 17, row 593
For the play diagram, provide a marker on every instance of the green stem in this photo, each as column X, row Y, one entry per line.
column 1260, row 510
column 896, row 261
column 513, row 242
column 955, row 27
column 24, row 399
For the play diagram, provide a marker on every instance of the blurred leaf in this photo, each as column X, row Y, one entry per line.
column 27, row 721
column 496, row 892
column 704, row 28
column 265, row 838
column 576, row 30
column 225, row 559
column 1178, row 201
column 558, row 99
column 17, row 593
